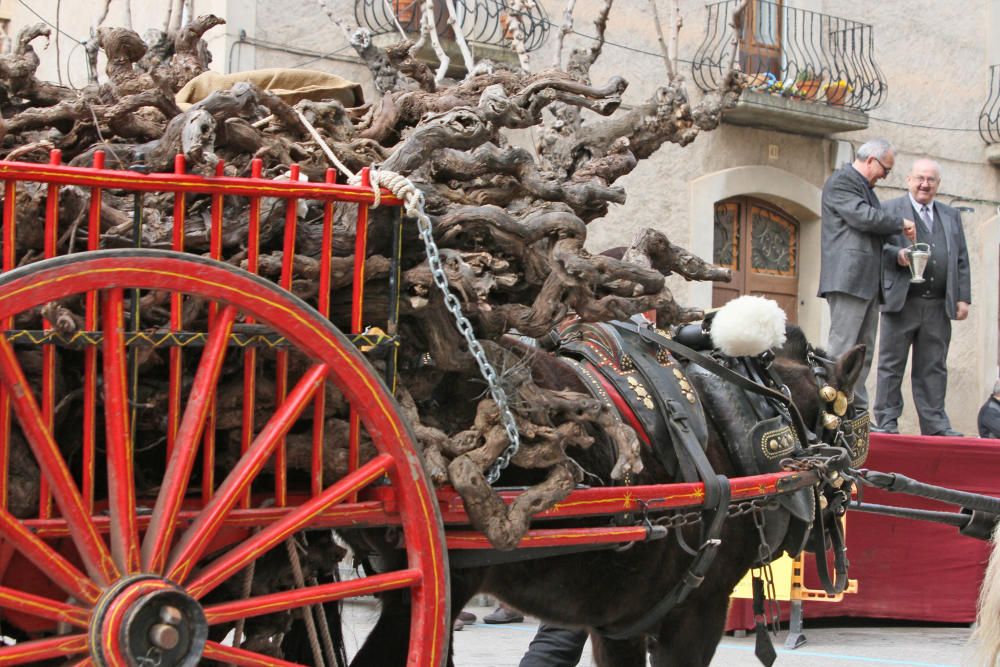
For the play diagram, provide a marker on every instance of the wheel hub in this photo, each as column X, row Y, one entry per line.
column 144, row 621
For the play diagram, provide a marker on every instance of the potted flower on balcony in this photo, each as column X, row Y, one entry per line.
column 807, row 83
column 836, row 91
column 761, row 81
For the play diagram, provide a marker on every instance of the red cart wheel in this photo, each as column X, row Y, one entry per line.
column 140, row 582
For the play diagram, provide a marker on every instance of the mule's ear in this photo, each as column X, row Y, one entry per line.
column 849, row 366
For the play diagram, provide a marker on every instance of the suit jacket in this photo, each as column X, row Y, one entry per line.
column 854, row 225
column 896, row 278
column 989, row 418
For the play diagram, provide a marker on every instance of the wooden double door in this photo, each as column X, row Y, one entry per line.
column 760, row 243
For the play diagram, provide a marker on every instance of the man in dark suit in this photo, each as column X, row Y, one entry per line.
column 918, row 315
column 989, row 414
column 854, row 225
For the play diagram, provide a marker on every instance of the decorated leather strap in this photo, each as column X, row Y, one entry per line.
column 715, row 367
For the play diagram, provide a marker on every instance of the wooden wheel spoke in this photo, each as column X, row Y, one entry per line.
column 175, row 482
column 209, row 520
column 36, row 605
column 38, row 650
column 296, row 520
column 238, row 656
column 59, row 570
column 93, row 552
column 121, row 477
column 300, row 597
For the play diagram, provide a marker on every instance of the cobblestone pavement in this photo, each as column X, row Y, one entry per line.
column 482, row 645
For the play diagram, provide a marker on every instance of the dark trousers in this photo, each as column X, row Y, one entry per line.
column 553, row 646
column 853, row 320
column 924, row 326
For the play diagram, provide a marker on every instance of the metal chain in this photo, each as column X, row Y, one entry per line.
column 682, row 519
column 772, row 613
column 679, row 519
column 403, row 188
column 750, row 506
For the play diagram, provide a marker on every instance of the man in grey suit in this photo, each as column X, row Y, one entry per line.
column 919, row 315
column 854, row 226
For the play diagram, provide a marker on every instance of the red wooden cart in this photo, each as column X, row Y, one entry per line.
column 100, row 567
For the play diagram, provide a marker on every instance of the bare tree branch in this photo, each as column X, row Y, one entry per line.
column 429, row 24
column 565, row 29
column 384, row 75
column 168, row 15
column 463, row 46
column 515, row 28
column 392, row 12
column 177, row 14
column 91, row 46
column 736, row 23
column 667, row 62
column 677, row 22
column 601, row 26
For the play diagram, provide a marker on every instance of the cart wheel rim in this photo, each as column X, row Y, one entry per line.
column 135, row 594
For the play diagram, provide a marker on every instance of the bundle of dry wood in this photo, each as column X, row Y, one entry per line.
column 511, row 223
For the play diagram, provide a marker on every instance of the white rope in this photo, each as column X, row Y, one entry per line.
column 322, row 144
column 397, row 184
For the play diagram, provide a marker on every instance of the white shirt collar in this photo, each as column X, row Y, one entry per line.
column 917, row 206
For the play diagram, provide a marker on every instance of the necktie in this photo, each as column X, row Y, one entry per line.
column 926, row 217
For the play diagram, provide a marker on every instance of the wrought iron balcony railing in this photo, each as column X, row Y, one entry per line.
column 481, row 21
column 989, row 117
column 794, row 53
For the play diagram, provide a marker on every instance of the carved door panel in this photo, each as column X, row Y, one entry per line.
column 760, row 243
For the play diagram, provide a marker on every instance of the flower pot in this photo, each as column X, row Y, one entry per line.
column 836, row 93
column 406, row 10
column 808, row 88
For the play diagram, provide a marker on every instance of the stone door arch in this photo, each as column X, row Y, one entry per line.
column 760, row 243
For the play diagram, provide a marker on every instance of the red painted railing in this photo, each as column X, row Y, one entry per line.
column 184, row 187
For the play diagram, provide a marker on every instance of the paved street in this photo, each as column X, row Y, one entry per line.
column 866, row 645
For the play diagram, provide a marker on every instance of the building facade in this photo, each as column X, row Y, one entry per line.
column 828, row 76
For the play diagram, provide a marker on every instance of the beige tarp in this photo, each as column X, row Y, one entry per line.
column 291, row 85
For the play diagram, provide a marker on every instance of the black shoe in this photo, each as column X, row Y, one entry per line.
column 949, row 433
column 891, row 429
column 503, row 615
column 466, row 617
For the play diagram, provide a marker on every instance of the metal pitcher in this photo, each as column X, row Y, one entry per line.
column 920, row 253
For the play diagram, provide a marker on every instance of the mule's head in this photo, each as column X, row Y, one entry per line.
column 823, row 391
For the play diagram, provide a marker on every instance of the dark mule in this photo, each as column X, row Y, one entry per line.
column 611, row 589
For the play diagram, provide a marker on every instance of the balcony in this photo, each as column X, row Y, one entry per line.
column 989, row 118
column 485, row 24
column 810, row 73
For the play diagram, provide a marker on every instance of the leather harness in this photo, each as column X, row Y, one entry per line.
column 631, row 360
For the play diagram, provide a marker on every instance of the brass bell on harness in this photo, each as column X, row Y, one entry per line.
column 827, row 393
column 840, row 404
column 830, row 422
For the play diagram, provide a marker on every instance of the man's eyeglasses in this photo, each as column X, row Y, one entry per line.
column 885, row 169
